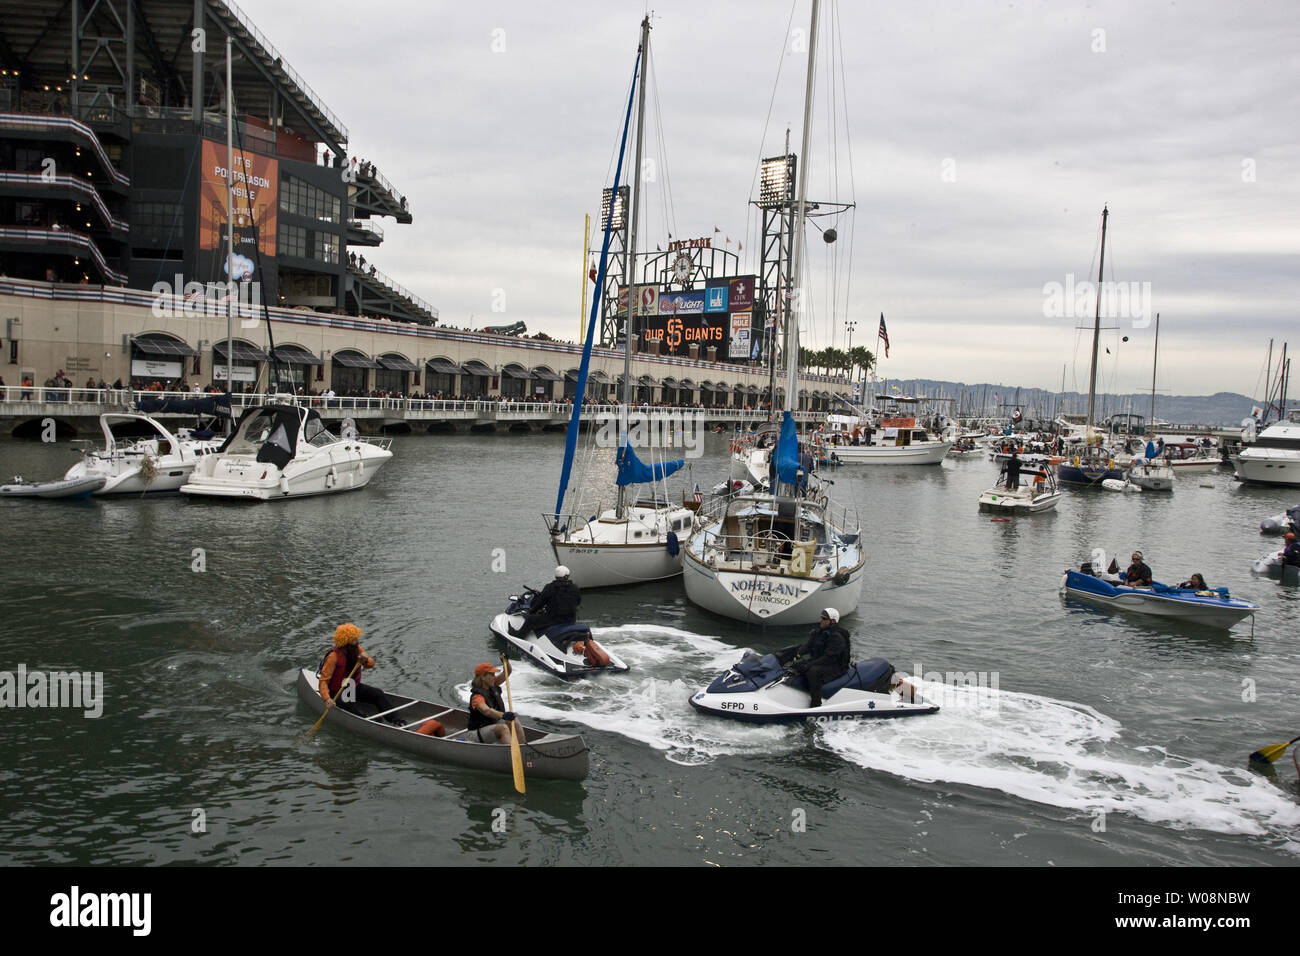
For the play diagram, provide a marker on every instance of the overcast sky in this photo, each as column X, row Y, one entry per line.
column 979, row 140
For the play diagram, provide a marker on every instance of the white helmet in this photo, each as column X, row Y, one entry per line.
column 832, row 614
column 561, row 572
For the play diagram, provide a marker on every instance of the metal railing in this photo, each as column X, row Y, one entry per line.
column 399, row 290
column 65, row 235
column 365, row 225
column 37, row 123
column 67, row 182
column 278, row 62
column 553, row 411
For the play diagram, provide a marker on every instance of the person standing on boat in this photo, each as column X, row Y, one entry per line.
column 1013, row 471
column 821, row 658
column 556, row 604
column 1138, row 575
column 336, row 667
column 489, row 720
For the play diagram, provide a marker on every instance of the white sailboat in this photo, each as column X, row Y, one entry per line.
column 637, row 539
column 781, row 556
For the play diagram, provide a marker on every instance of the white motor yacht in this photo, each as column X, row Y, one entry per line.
column 285, row 451
column 1273, row 458
column 141, row 456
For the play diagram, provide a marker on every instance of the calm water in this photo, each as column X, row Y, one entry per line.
column 1095, row 721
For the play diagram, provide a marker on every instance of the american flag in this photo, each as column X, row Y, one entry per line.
column 884, row 334
column 699, row 497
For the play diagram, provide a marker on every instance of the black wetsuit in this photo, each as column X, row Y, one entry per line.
column 821, row 658
column 556, row 604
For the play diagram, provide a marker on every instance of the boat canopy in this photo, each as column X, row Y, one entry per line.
column 632, row 471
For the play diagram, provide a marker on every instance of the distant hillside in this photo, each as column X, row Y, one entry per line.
column 1221, row 408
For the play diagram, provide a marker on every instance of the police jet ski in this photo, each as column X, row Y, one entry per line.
column 759, row 690
column 566, row 650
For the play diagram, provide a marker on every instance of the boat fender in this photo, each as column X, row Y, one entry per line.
column 674, row 548
column 841, row 577
column 1075, row 461
column 595, row 655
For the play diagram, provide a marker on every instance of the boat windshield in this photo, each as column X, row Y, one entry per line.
column 261, row 427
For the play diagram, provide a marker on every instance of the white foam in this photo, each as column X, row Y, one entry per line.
column 1061, row 754
column 649, row 703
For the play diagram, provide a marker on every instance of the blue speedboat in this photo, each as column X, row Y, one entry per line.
column 1213, row 607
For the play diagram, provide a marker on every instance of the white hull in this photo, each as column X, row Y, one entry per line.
column 918, row 453
column 242, row 477
column 1195, row 466
column 610, row 551
column 768, row 598
column 1153, row 604
column 314, row 461
column 1022, row 501
column 149, row 465
column 1269, row 470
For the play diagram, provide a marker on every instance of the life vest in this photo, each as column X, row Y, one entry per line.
column 340, row 670
column 492, row 695
column 595, row 655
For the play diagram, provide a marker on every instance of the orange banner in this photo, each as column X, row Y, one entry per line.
column 256, row 188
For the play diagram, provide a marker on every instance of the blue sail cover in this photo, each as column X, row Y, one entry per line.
column 633, row 471
column 787, row 452
column 575, row 418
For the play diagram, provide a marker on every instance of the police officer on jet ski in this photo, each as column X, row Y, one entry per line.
column 821, row 658
column 556, row 604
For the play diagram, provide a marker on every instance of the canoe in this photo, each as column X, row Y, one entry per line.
column 66, row 488
column 1213, row 607
column 546, row 755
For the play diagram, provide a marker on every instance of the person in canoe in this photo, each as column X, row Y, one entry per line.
column 336, row 667
column 556, row 604
column 1137, row 575
column 821, row 658
column 489, row 720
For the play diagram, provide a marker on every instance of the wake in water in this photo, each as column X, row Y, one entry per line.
column 649, row 703
column 1061, row 754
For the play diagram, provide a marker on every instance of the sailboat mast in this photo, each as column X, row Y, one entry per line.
column 230, row 233
column 792, row 316
column 1155, row 355
column 629, row 258
column 1096, row 325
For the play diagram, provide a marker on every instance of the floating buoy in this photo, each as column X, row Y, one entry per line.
column 999, row 519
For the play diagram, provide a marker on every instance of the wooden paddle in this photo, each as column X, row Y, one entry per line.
column 316, row 726
column 516, row 755
column 1270, row 754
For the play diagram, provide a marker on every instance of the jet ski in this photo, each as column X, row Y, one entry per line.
column 757, row 689
column 566, row 650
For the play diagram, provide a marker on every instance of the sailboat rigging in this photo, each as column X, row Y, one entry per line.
column 636, row 540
